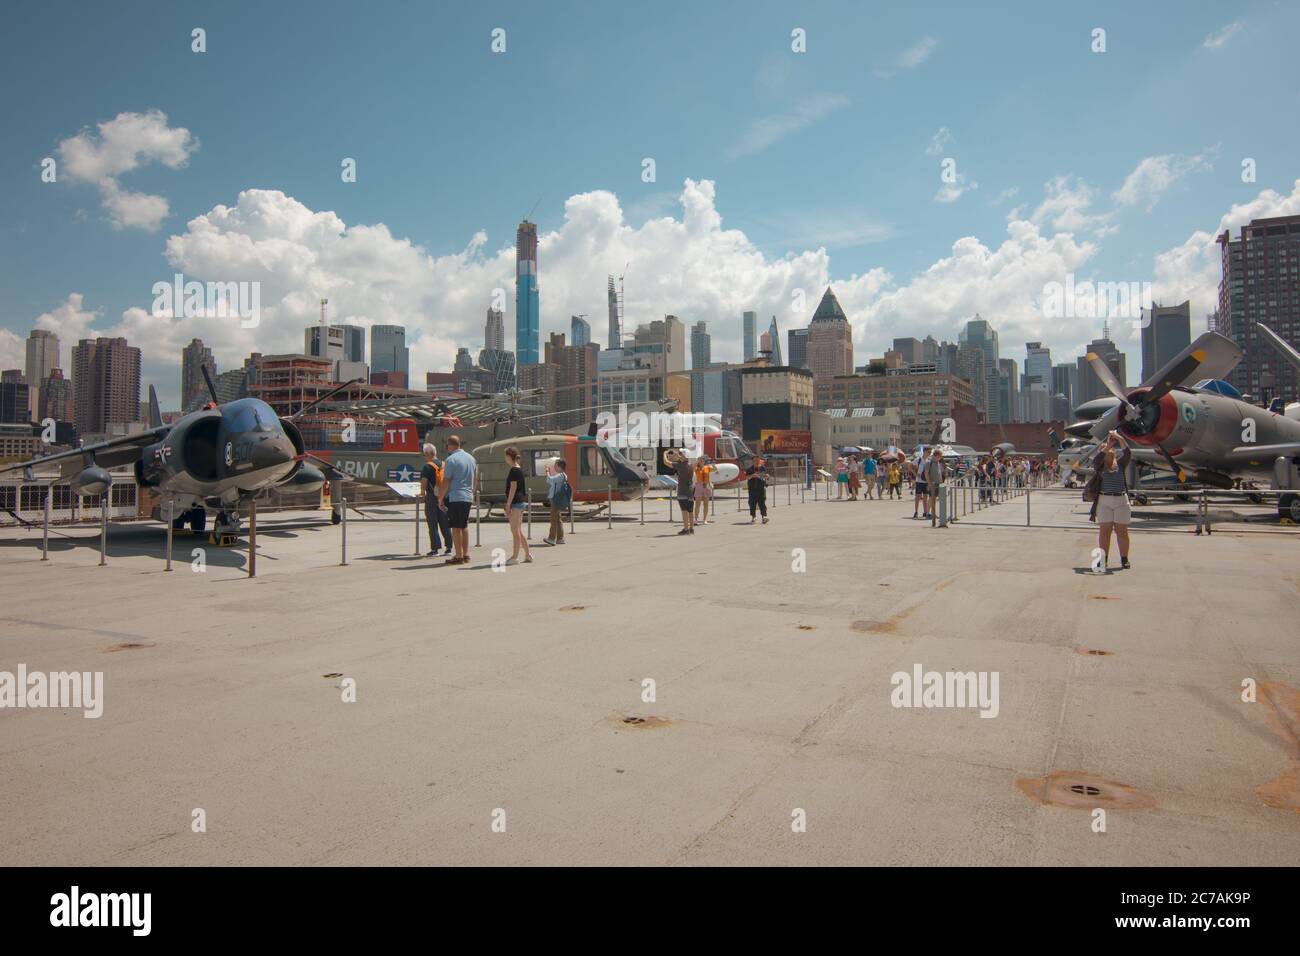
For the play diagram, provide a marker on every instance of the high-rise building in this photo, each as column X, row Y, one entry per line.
column 15, row 401
column 660, row 345
column 796, row 341
column 323, row 341
column 701, row 346
column 774, row 336
column 105, row 384
column 579, row 331
column 749, row 336
column 1088, row 385
column 912, row 350
column 42, row 358
column 1166, row 331
column 464, row 361
column 388, row 351
column 494, row 330
column 527, row 300
column 574, row 382
column 194, row 357
column 1038, row 364
column 1065, row 382
column 501, row 364
column 56, row 398
column 979, row 334
column 354, row 343
column 830, row 339
column 615, row 324
column 1008, row 390
column 1261, row 283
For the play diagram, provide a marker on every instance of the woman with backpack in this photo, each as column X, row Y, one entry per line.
column 559, row 495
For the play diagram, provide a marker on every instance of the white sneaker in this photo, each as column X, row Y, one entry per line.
column 511, row 562
column 563, row 541
column 548, row 541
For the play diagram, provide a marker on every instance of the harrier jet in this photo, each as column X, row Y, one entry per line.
column 217, row 457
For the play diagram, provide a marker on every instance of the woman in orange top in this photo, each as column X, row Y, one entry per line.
column 703, row 489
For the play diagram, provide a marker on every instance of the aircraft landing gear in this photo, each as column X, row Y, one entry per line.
column 1288, row 508
column 335, row 517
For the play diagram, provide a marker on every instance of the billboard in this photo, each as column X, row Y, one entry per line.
column 784, row 441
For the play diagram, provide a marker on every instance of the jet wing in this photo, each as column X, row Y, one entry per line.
column 1218, row 355
column 108, row 454
column 1245, row 454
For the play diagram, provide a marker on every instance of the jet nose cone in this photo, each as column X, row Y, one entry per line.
column 272, row 453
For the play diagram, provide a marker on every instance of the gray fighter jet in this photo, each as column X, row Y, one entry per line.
column 217, row 458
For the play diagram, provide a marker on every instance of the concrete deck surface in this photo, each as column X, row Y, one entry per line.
column 479, row 690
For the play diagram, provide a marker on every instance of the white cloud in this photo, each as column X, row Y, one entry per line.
column 1011, row 192
column 910, row 58
column 1067, row 207
column 1153, row 176
column 1222, row 36
column 951, row 192
column 938, row 141
column 689, row 264
column 768, row 130
column 123, row 144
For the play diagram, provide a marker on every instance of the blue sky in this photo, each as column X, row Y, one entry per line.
column 823, row 150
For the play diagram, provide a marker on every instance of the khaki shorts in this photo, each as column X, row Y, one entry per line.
column 1113, row 509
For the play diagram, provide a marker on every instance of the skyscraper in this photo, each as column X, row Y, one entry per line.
column 1261, row 283
column 749, row 335
column 830, row 339
column 1038, row 364
column 193, row 357
column 388, row 351
column 701, row 346
column 980, row 334
column 527, row 302
column 797, row 347
column 579, row 331
column 354, row 343
column 1166, row 331
column 56, row 398
column 1065, row 378
column 775, row 337
column 615, row 332
column 494, row 330
column 106, row 384
column 42, row 358
column 1008, row 390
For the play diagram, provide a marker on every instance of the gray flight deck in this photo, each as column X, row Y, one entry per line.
column 478, row 692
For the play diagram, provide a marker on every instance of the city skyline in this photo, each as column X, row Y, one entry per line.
column 705, row 238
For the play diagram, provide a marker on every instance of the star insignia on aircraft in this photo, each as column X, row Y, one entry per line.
column 404, row 473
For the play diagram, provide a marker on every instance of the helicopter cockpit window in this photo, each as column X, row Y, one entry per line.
column 725, row 449
column 593, row 462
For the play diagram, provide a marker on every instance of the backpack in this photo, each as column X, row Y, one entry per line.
column 563, row 496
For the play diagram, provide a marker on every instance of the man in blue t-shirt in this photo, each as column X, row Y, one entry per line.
column 456, row 496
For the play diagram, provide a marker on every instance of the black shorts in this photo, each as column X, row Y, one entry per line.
column 687, row 504
column 458, row 513
column 920, row 488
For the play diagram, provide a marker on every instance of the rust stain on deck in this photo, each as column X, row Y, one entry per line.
column 1075, row 790
column 1282, row 714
